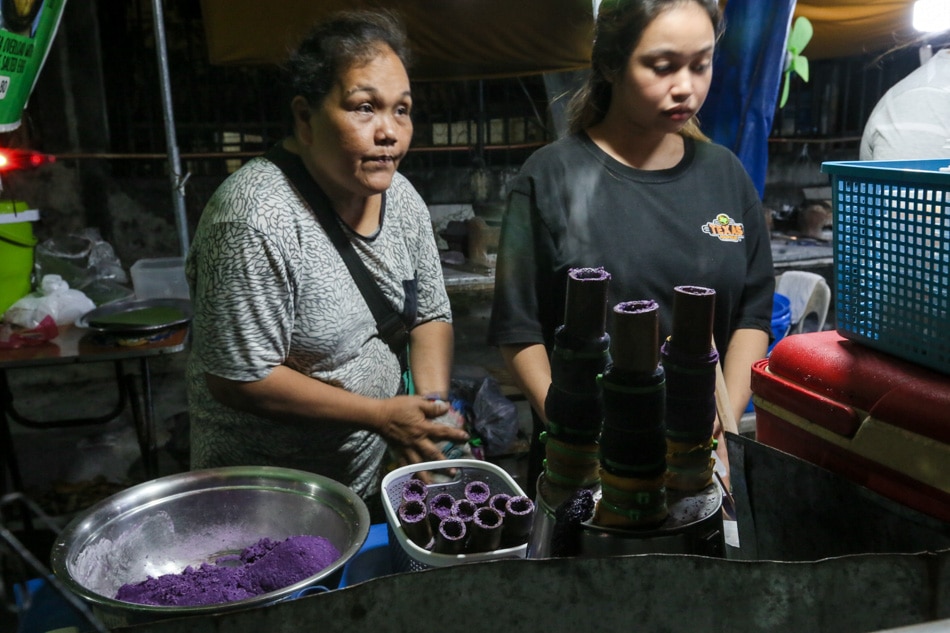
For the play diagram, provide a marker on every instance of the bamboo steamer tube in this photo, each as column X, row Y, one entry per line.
column 693, row 308
column 585, row 314
column 635, row 342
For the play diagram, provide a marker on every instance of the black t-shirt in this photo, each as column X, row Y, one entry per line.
column 699, row 223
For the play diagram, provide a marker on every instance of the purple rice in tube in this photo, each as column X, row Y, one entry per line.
column 464, row 509
column 499, row 502
column 477, row 492
column 415, row 522
column 519, row 516
column 440, row 507
column 450, row 538
column 414, row 490
column 485, row 530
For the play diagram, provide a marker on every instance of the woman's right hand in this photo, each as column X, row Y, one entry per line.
column 410, row 431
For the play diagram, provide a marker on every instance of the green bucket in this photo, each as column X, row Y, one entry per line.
column 16, row 255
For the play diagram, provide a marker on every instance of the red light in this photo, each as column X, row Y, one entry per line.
column 16, row 159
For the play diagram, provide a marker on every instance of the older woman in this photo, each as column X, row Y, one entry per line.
column 288, row 368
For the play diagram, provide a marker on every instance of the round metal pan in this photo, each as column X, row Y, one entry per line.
column 120, row 317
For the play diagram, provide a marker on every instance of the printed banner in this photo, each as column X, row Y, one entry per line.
column 27, row 28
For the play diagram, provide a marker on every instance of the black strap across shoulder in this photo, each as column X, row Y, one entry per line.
column 389, row 323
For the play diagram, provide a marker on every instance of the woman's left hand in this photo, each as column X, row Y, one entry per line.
column 412, row 434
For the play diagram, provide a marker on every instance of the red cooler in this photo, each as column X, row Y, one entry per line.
column 874, row 419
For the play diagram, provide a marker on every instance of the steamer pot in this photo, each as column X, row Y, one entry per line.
column 694, row 526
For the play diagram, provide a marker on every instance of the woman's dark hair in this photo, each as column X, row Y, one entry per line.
column 345, row 39
column 619, row 28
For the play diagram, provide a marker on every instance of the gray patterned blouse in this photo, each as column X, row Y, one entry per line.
column 270, row 289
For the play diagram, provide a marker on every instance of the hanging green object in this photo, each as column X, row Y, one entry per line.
column 795, row 62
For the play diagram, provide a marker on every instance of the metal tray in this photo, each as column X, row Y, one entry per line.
column 97, row 319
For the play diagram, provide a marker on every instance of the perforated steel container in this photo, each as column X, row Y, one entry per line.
column 407, row 556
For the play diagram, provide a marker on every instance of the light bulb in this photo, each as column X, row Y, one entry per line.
column 932, row 15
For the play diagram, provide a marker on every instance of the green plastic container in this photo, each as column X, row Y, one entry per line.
column 16, row 253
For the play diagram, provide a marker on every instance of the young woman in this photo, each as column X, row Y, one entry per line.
column 287, row 366
column 637, row 189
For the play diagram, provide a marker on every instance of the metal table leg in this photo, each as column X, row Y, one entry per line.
column 143, row 413
column 9, row 464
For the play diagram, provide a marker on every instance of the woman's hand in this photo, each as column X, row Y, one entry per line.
column 410, row 431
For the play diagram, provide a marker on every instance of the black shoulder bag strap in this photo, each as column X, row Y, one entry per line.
column 389, row 323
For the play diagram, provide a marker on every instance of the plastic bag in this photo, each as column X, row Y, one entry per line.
column 496, row 417
column 454, row 418
column 54, row 299
column 15, row 338
column 493, row 418
column 80, row 259
column 86, row 262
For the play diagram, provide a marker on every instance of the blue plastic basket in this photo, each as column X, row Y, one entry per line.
column 41, row 608
column 372, row 561
column 892, row 256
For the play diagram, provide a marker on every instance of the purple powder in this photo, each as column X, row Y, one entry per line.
column 589, row 274
column 262, row 567
column 207, row 584
column 290, row 561
column 637, row 307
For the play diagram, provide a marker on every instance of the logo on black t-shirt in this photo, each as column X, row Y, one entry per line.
column 725, row 228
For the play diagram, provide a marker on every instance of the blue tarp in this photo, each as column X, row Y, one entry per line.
column 747, row 75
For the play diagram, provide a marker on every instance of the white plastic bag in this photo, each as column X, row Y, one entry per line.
column 55, row 299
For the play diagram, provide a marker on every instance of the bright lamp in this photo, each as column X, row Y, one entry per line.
column 932, row 15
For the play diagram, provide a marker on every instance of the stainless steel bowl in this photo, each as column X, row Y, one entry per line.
column 162, row 526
